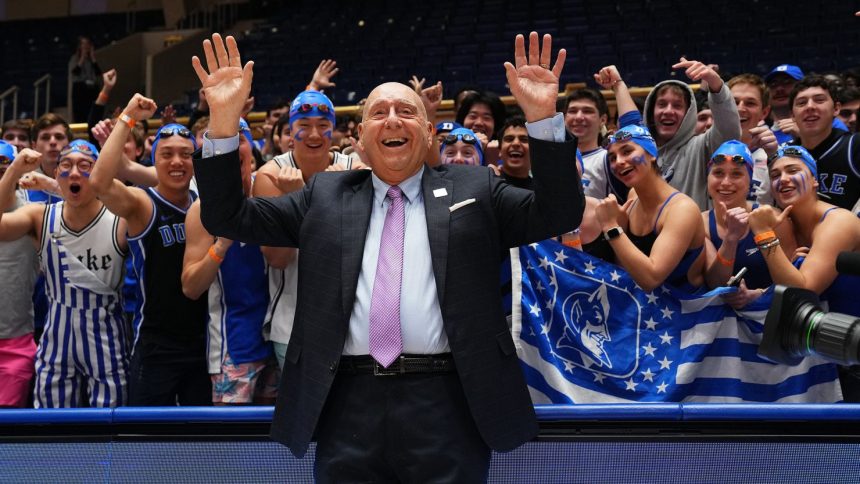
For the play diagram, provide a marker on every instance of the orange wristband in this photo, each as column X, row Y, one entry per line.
column 726, row 262
column 759, row 238
column 128, row 120
column 212, row 255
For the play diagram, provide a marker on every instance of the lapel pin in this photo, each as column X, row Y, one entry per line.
column 440, row 192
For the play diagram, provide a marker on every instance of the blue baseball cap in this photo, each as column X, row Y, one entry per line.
column 80, row 146
column 636, row 134
column 789, row 70
column 7, row 153
column 311, row 104
column 735, row 151
column 446, row 126
column 168, row 131
column 465, row 135
column 801, row 154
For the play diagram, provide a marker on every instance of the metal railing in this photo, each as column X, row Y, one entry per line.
column 12, row 91
column 46, row 80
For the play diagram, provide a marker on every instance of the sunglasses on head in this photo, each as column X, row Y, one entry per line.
column 308, row 107
column 81, row 148
column 467, row 138
column 5, row 161
column 733, row 158
column 167, row 133
column 792, row 152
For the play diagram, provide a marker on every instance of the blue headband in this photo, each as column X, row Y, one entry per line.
column 311, row 104
column 636, row 134
column 800, row 153
column 172, row 129
column 80, row 146
column 463, row 134
column 733, row 148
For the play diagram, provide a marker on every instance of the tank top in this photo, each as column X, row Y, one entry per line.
column 841, row 296
column 19, row 267
column 747, row 255
column 678, row 276
column 165, row 316
column 283, row 283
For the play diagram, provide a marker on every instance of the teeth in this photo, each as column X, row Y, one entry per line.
column 176, row 173
column 394, row 141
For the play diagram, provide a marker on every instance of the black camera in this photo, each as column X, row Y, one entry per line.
column 797, row 326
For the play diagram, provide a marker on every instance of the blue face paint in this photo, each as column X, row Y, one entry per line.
column 327, row 134
column 776, row 185
column 640, row 160
column 300, row 135
column 65, row 174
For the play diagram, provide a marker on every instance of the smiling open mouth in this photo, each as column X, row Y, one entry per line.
column 394, row 142
column 74, row 188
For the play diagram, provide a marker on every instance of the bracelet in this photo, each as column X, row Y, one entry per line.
column 764, row 236
column 102, row 99
column 769, row 246
column 128, row 120
column 726, row 262
column 212, row 255
column 617, row 81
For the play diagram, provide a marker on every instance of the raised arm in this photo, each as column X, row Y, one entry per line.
column 28, row 219
column 203, row 255
column 610, row 78
column 129, row 171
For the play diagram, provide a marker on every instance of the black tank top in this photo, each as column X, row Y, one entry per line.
column 166, row 317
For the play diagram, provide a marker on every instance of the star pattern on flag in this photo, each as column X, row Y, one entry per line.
column 544, row 262
column 631, row 385
column 665, row 338
column 599, row 377
column 652, row 298
column 544, row 329
column 568, row 366
column 560, row 256
column 665, row 363
column 615, row 276
column 651, row 324
column 649, row 350
column 661, row 388
column 540, row 287
column 534, row 309
column 648, row 374
column 667, row 313
column 589, row 267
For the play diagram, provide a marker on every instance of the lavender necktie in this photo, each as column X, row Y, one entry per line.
column 386, row 342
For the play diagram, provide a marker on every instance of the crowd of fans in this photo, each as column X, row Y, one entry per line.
column 115, row 294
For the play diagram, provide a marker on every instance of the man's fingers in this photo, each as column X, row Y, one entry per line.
column 233, row 52
column 220, row 50
column 248, row 76
column 534, row 49
column 546, row 50
column 209, row 53
column 559, row 63
column 511, row 75
column 519, row 52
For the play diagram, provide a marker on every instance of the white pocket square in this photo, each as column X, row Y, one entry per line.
column 461, row 204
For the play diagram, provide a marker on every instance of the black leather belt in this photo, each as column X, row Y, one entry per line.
column 403, row 365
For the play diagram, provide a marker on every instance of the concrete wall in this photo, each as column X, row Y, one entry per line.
column 169, row 72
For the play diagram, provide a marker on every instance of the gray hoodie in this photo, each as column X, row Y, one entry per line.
column 684, row 159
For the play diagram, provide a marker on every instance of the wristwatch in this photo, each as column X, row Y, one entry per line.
column 613, row 233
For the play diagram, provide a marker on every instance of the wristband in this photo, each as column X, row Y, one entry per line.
column 726, row 262
column 764, row 236
column 769, row 245
column 212, row 255
column 128, row 120
column 617, row 82
column 102, row 99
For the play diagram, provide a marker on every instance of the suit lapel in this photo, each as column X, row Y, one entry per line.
column 438, row 217
column 356, row 204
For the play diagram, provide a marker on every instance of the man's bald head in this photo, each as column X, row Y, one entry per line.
column 394, row 90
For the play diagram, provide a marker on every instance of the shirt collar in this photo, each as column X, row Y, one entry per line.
column 411, row 187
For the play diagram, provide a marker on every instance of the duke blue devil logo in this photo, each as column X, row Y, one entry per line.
column 585, row 317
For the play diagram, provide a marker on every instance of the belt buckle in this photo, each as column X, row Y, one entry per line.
column 397, row 368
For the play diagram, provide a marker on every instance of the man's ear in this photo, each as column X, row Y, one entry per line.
column 432, row 134
column 765, row 112
column 836, row 107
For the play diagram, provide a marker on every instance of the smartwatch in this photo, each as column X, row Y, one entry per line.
column 613, row 233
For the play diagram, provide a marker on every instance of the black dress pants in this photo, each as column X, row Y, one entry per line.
column 405, row 428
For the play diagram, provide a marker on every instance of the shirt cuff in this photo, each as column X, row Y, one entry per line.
column 213, row 147
column 549, row 129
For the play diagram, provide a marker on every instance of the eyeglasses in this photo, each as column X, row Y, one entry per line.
column 167, row 133
column 467, row 138
column 78, row 148
column 734, row 158
column 84, row 166
column 308, row 107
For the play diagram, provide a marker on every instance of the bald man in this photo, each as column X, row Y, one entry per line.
column 398, row 374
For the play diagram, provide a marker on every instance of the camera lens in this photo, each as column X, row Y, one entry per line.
column 836, row 337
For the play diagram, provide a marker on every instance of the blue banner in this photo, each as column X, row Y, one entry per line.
column 586, row 333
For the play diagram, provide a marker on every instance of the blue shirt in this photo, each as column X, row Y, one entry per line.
column 420, row 313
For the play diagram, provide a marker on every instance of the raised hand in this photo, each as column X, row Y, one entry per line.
column 608, row 212
column 431, row 97
column 323, row 74
column 37, row 181
column 25, row 161
column 788, row 126
column 102, row 130
column 532, row 82
column 140, row 108
column 608, row 77
column 766, row 217
column 737, row 222
column 763, row 137
column 417, row 84
column 226, row 84
column 698, row 71
column 168, row 115
column 109, row 80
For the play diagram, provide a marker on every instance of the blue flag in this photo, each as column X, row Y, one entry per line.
column 586, row 333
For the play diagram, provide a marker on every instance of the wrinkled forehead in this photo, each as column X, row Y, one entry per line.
column 394, row 92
